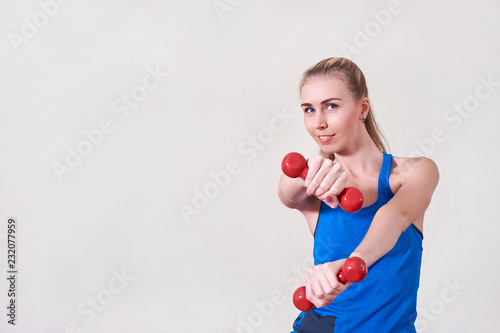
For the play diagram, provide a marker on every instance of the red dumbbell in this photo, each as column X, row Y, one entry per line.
column 353, row 270
column 294, row 165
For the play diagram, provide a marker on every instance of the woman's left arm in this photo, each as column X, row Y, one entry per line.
column 419, row 179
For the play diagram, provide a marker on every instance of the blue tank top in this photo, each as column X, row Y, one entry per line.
column 386, row 300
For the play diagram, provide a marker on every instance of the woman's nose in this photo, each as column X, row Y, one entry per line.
column 320, row 121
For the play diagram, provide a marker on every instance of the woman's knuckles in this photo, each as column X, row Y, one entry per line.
column 329, row 290
column 336, row 167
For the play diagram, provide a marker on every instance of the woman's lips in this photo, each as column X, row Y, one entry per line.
column 325, row 138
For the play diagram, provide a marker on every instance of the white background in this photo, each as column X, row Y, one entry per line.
column 233, row 264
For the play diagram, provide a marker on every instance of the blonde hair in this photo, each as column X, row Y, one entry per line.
column 353, row 77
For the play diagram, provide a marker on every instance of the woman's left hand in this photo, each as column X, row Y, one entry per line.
column 322, row 283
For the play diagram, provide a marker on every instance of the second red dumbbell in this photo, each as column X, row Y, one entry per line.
column 353, row 270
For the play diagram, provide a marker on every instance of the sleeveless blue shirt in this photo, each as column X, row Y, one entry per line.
column 386, row 300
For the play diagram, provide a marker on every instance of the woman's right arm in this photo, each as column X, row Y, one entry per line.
column 292, row 194
column 324, row 179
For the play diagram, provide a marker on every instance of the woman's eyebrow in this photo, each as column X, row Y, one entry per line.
column 323, row 102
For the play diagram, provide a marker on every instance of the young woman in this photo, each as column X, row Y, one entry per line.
column 386, row 233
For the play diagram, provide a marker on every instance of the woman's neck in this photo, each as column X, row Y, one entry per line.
column 362, row 157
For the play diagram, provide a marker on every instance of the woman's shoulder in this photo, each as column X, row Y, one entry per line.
column 419, row 168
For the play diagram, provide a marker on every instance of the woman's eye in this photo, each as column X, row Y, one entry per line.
column 308, row 110
column 331, row 106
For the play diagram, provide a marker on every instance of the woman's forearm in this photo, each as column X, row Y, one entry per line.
column 292, row 192
column 407, row 205
column 383, row 234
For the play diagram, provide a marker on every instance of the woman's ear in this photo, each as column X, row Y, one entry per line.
column 365, row 108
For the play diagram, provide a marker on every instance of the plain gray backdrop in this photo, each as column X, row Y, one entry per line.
column 141, row 144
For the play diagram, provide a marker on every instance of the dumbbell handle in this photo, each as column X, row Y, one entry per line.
column 294, row 165
column 353, row 270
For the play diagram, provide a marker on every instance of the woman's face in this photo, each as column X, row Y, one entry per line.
column 331, row 115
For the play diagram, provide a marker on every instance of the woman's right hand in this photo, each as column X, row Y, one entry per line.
column 325, row 180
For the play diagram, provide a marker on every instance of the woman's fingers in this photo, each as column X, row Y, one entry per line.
column 323, row 173
column 326, row 179
column 331, row 200
column 322, row 284
column 314, row 163
column 334, row 182
column 312, row 294
column 330, row 197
